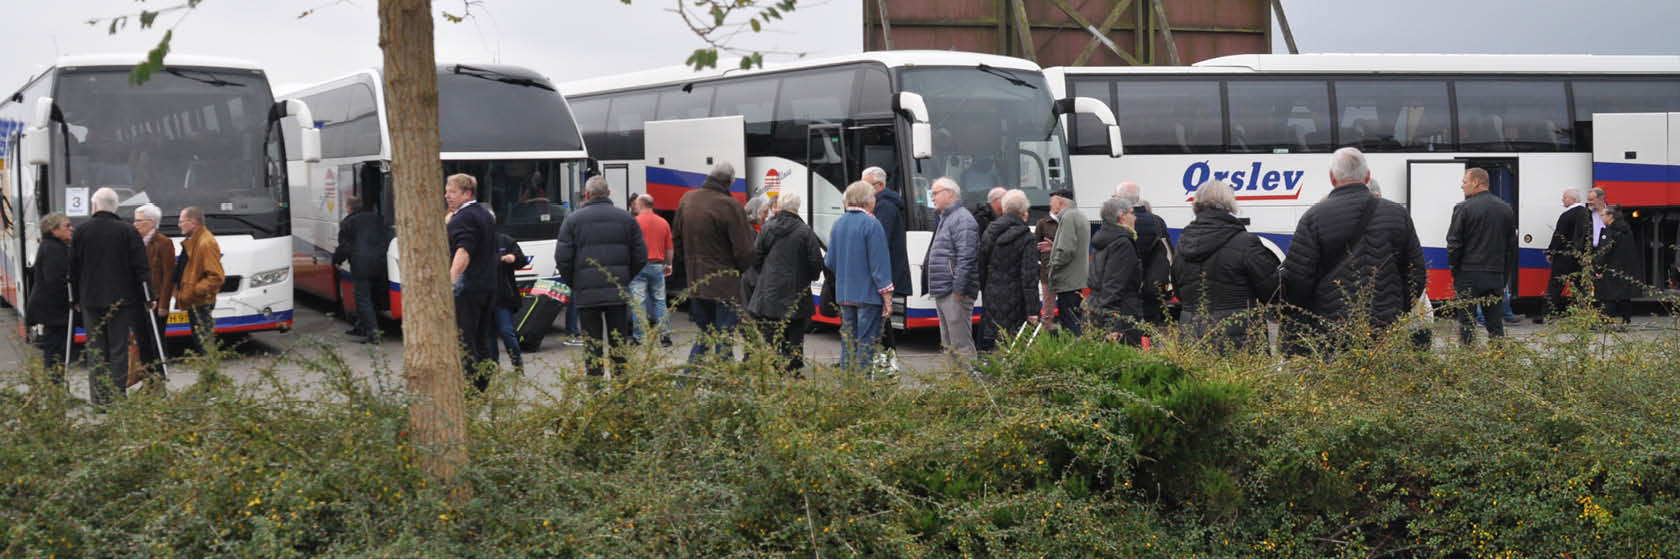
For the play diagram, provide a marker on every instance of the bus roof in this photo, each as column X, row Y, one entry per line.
column 376, row 75
column 131, row 59
column 892, row 59
column 1409, row 64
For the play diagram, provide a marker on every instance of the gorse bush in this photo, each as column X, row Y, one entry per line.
column 1562, row 445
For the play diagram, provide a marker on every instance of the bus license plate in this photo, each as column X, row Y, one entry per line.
column 177, row 317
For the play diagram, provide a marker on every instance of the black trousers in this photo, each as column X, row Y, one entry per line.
column 52, row 343
column 149, row 354
column 788, row 338
column 472, row 319
column 1479, row 285
column 203, row 327
column 1555, row 302
column 108, row 329
column 607, row 328
column 1068, row 313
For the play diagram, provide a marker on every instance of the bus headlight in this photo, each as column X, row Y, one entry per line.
column 269, row 277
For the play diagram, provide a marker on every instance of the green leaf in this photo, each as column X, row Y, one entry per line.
column 452, row 18
column 755, row 25
column 717, row 14
column 153, row 62
column 146, row 19
column 772, row 12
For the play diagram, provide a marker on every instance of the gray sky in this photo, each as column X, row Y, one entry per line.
column 574, row 39
column 1484, row 26
column 565, row 39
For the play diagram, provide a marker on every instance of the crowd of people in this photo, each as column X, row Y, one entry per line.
column 1354, row 257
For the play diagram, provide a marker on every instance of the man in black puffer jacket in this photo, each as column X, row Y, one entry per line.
column 789, row 258
column 1222, row 270
column 1337, row 271
column 1116, row 273
column 599, row 249
column 1008, row 272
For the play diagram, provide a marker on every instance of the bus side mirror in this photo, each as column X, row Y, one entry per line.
column 912, row 106
column 37, row 140
column 309, row 137
column 1098, row 109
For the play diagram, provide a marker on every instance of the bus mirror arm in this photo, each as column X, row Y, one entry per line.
column 37, row 140
column 911, row 105
column 309, row 136
column 1098, row 109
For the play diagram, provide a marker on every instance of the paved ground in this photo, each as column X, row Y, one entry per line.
column 285, row 354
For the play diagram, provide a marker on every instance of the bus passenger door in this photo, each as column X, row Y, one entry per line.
column 1432, row 189
column 826, row 176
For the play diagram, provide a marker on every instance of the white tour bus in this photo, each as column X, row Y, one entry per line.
column 506, row 126
column 203, row 132
column 1266, row 124
column 814, row 126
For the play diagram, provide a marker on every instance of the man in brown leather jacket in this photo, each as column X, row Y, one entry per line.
column 198, row 275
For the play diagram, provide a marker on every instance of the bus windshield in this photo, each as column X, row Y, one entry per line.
column 502, row 109
column 529, row 197
column 992, row 127
column 187, row 137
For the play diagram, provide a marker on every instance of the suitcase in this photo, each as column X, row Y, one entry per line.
column 537, row 311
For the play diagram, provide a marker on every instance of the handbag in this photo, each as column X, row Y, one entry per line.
column 826, row 303
column 136, row 370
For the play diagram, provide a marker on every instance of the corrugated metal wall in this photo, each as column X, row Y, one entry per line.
column 1201, row 29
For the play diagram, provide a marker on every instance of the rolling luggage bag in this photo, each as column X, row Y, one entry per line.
column 537, row 311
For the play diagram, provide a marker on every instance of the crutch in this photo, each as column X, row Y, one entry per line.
column 157, row 337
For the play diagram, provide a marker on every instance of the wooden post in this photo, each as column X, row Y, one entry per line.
column 1107, row 26
column 886, row 27
column 1283, row 23
column 1166, row 31
column 431, row 363
column 1023, row 28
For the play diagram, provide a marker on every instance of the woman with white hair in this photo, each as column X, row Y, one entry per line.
column 857, row 254
column 160, row 256
column 790, row 258
column 1223, row 272
column 1008, row 272
column 1115, row 306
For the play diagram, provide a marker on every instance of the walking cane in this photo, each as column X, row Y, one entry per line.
column 157, row 337
column 69, row 331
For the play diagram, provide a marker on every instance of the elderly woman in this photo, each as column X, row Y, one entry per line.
column 857, row 253
column 1615, row 262
column 49, row 294
column 789, row 258
column 160, row 256
column 1222, row 271
column 1008, row 272
column 1116, row 274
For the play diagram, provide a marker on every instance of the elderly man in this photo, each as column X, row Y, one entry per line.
column 1154, row 252
column 160, row 258
column 949, row 270
column 648, row 287
column 716, row 243
column 889, row 210
column 598, row 250
column 1070, row 266
column 199, row 272
column 472, row 271
column 863, row 286
column 1569, row 243
column 989, row 210
column 108, row 276
column 1352, row 249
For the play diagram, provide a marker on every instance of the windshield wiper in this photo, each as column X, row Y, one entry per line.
column 241, row 219
column 212, row 79
column 1006, row 76
column 485, row 74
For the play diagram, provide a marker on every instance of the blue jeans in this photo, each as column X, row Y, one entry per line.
column 501, row 326
column 860, row 327
column 649, row 310
column 572, row 327
column 717, row 320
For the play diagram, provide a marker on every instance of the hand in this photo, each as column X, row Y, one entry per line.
column 507, row 258
column 668, row 270
column 1044, row 246
column 162, row 311
column 1032, row 319
column 886, row 304
column 1113, row 336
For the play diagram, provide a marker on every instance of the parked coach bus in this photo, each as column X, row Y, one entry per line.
column 814, row 126
column 202, row 132
column 1266, row 124
column 505, row 125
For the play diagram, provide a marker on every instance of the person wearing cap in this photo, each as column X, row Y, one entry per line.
column 1069, row 260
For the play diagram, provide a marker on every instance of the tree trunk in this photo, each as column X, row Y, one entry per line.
column 431, row 363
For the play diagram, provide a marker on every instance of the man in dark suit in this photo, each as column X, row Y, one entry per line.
column 1569, row 241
